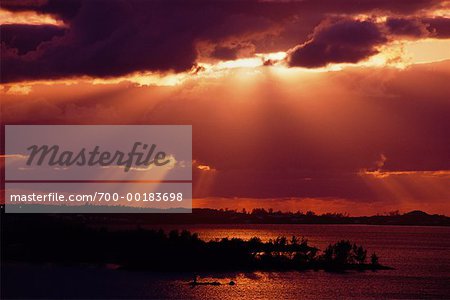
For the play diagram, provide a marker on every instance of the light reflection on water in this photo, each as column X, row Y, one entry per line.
column 410, row 247
column 420, row 256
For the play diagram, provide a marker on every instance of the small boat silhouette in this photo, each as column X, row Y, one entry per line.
column 195, row 282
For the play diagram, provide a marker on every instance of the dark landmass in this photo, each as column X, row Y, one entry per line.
column 47, row 239
column 256, row 216
column 262, row 216
column 102, row 239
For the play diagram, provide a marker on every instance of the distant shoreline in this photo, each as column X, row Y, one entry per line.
column 150, row 216
column 257, row 216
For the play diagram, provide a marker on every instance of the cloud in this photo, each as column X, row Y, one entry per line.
column 344, row 41
column 26, row 38
column 408, row 27
column 113, row 38
column 439, row 26
column 232, row 52
column 130, row 36
column 350, row 40
column 417, row 27
column 66, row 9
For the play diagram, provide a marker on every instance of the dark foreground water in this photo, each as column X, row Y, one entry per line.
column 420, row 256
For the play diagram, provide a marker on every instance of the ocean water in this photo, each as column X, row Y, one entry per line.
column 420, row 256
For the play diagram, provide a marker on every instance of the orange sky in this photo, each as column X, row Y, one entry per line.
column 278, row 121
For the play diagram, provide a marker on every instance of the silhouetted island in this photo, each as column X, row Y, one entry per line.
column 45, row 239
column 92, row 239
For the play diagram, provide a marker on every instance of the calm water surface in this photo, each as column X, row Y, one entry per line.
column 420, row 256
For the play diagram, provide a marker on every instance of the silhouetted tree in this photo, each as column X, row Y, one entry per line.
column 310, row 213
column 328, row 254
column 374, row 259
column 359, row 254
column 342, row 252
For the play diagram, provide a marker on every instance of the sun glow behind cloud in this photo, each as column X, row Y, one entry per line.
column 442, row 10
column 396, row 54
column 28, row 18
column 399, row 54
column 325, row 107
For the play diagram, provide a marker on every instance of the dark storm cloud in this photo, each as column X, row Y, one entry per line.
column 112, row 38
column 356, row 6
column 26, row 38
column 68, row 8
column 438, row 27
column 117, row 37
column 344, row 41
column 351, row 41
column 225, row 53
column 407, row 27
column 233, row 51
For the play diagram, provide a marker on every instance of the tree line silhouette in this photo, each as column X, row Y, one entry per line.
column 57, row 241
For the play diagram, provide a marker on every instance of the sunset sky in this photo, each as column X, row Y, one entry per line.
column 331, row 106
